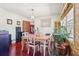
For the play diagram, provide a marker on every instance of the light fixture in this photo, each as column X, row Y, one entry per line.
column 32, row 17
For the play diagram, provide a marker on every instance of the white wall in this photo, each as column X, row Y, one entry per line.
column 45, row 30
column 4, row 15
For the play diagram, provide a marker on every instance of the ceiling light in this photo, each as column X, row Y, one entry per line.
column 32, row 17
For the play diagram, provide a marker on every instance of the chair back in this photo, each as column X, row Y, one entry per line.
column 31, row 40
column 25, row 34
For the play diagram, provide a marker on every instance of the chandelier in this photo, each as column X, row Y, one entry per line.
column 32, row 17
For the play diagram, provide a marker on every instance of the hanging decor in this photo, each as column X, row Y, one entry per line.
column 9, row 21
column 18, row 22
column 32, row 15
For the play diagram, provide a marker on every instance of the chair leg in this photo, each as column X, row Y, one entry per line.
column 49, row 48
column 44, row 48
column 49, row 51
column 28, row 49
column 22, row 48
column 34, row 52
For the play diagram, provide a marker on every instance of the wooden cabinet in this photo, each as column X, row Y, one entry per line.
column 26, row 26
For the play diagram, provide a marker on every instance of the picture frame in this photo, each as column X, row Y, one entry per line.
column 9, row 21
column 45, row 23
column 18, row 22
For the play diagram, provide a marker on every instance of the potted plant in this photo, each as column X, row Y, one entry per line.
column 60, row 34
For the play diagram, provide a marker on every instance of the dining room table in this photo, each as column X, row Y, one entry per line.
column 40, row 38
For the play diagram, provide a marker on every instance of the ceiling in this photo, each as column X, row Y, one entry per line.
column 40, row 9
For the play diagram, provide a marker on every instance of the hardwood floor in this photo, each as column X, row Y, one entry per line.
column 15, row 50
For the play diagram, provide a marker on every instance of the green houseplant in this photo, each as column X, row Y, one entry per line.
column 60, row 34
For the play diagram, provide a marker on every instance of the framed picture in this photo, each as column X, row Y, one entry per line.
column 18, row 23
column 9, row 21
column 45, row 23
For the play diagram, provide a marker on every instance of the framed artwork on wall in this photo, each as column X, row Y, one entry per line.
column 18, row 22
column 45, row 23
column 9, row 21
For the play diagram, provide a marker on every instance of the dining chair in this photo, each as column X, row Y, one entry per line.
column 44, row 45
column 24, row 41
column 51, row 44
column 33, row 44
column 47, row 44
